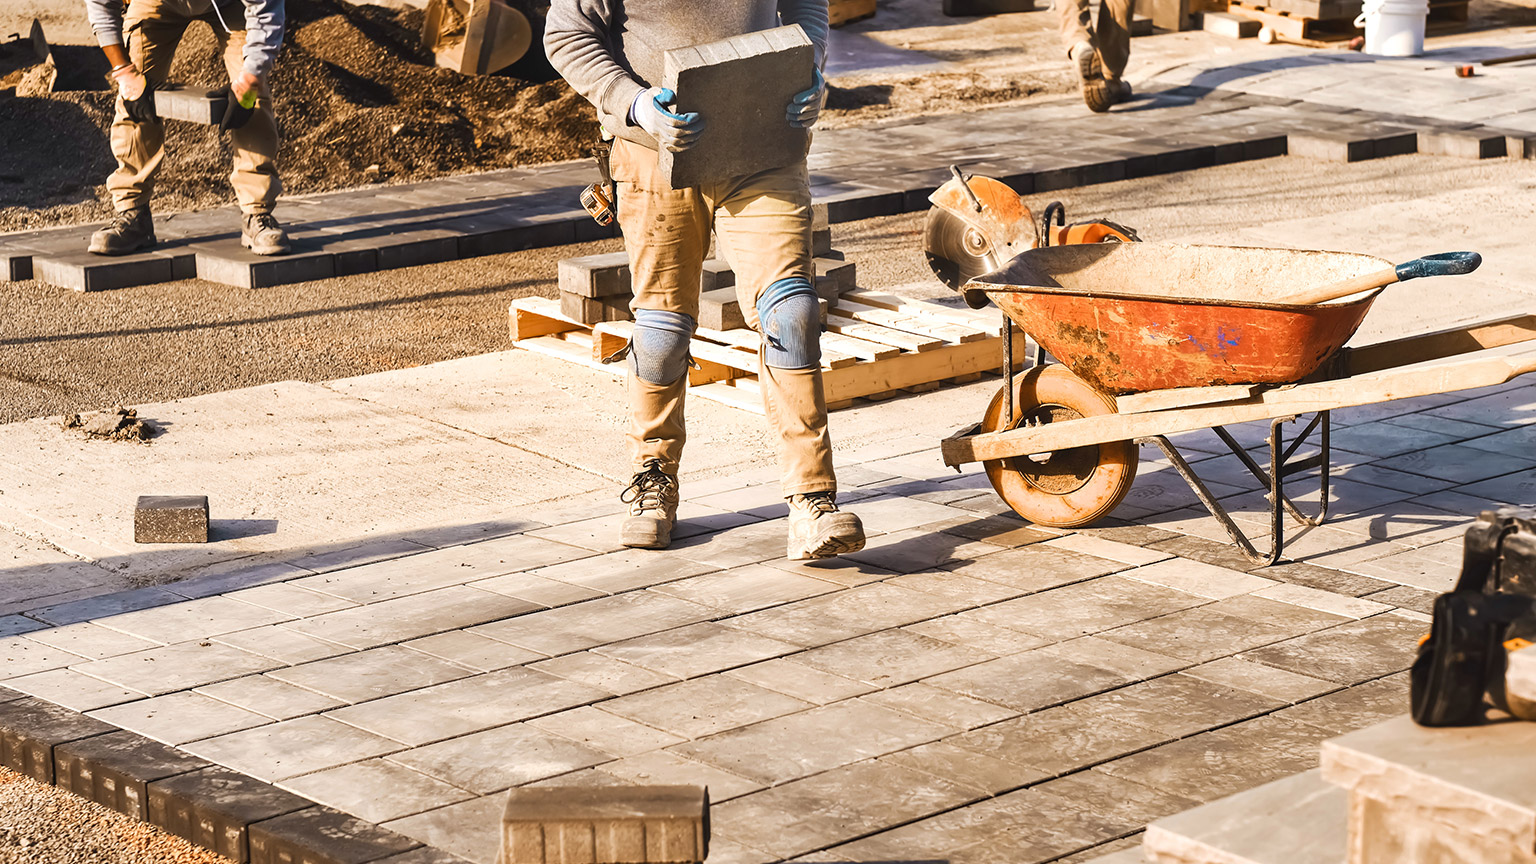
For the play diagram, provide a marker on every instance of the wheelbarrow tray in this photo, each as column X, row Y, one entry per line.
column 1132, row 317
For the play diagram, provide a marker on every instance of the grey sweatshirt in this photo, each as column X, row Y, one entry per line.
column 610, row 50
column 262, row 22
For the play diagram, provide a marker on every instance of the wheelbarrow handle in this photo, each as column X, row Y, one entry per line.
column 1443, row 264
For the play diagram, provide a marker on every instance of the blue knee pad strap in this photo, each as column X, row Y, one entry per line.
column 789, row 316
column 658, row 350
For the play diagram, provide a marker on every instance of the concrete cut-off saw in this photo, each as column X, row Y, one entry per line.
column 978, row 224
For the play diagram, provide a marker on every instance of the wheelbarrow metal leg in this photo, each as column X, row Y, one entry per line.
column 1273, row 482
column 1211, row 504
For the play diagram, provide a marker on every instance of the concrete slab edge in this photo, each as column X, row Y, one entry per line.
column 224, row 811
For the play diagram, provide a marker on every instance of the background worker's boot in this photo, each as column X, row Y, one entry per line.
column 652, row 500
column 817, row 529
column 1090, row 74
column 128, row 232
column 261, row 234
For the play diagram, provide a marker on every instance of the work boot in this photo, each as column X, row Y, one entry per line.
column 261, row 234
column 652, row 500
column 1119, row 89
column 128, row 232
column 817, row 529
column 1091, row 76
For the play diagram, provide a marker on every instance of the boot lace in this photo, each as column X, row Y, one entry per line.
column 820, row 502
column 264, row 222
column 650, row 488
column 122, row 220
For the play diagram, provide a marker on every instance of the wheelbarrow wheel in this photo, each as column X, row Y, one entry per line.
column 1066, row 488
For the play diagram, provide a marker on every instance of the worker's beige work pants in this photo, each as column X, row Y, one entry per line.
column 762, row 223
column 1111, row 36
column 153, row 29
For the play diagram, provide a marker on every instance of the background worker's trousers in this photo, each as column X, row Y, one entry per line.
column 1111, row 36
column 762, row 225
column 153, row 29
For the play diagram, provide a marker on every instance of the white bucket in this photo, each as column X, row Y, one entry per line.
column 1394, row 28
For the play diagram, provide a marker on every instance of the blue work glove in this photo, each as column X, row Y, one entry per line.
column 805, row 106
column 675, row 132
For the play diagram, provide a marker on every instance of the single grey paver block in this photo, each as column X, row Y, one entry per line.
column 30, row 729
column 595, row 275
column 1298, row 820
column 194, row 105
column 213, row 807
column 413, row 248
column 720, row 310
column 1229, row 25
column 228, row 263
column 717, row 274
column 742, row 135
column 495, row 759
column 171, row 519
column 821, row 241
column 606, row 825
column 595, row 310
column 116, row 769
column 845, row 272
column 1475, row 143
column 82, row 271
column 320, row 834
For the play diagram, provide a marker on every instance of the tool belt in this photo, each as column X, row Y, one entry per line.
column 1481, row 640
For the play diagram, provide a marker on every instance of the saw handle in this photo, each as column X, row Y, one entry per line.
column 1443, row 264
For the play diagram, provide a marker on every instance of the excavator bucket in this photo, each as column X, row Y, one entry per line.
column 478, row 37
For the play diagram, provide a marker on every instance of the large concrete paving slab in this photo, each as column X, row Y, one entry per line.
column 287, row 467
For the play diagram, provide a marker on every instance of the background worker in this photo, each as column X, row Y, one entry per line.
column 1100, row 52
column 611, row 52
column 140, row 45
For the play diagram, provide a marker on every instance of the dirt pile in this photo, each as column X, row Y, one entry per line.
column 352, row 89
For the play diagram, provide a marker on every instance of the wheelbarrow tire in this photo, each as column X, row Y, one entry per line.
column 1068, row 488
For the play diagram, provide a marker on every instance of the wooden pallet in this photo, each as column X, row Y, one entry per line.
column 840, row 12
column 875, row 346
column 1292, row 27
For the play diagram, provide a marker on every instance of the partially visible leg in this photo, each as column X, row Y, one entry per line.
column 1078, row 38
column 254, row 176
column 763, row 224
column 152, row 35
column 1113, row 37
column 666, row 233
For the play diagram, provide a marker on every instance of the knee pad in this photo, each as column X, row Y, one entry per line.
column 789, row 316
column 658, row 350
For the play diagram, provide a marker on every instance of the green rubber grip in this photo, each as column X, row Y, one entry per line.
column 249, row 99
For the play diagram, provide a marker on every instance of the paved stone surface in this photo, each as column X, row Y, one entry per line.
column 968, row 688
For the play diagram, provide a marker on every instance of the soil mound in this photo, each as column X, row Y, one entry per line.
column 353, row 89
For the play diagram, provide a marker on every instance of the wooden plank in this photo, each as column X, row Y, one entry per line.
column 1182, row 397
column 1479, row 369
column 911, row 369
column 726, row 394
column 894, row 338
column 947, row 332
column 840, row 12
column 530, row 317
column 564, row 349
column 1441, row 343
column 860, row 348
column 988, row 321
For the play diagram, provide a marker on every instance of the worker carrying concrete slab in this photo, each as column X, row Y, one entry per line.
column 611, row 51
column 1099, row 52
column 140, row 45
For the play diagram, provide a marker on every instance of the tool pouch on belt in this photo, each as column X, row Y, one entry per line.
column 1481, row 639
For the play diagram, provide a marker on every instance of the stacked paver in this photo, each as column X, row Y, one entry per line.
column 1395, row 793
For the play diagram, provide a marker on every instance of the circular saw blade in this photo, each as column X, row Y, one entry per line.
column 957, row 252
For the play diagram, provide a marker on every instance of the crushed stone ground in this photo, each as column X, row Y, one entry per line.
column 46, row 825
